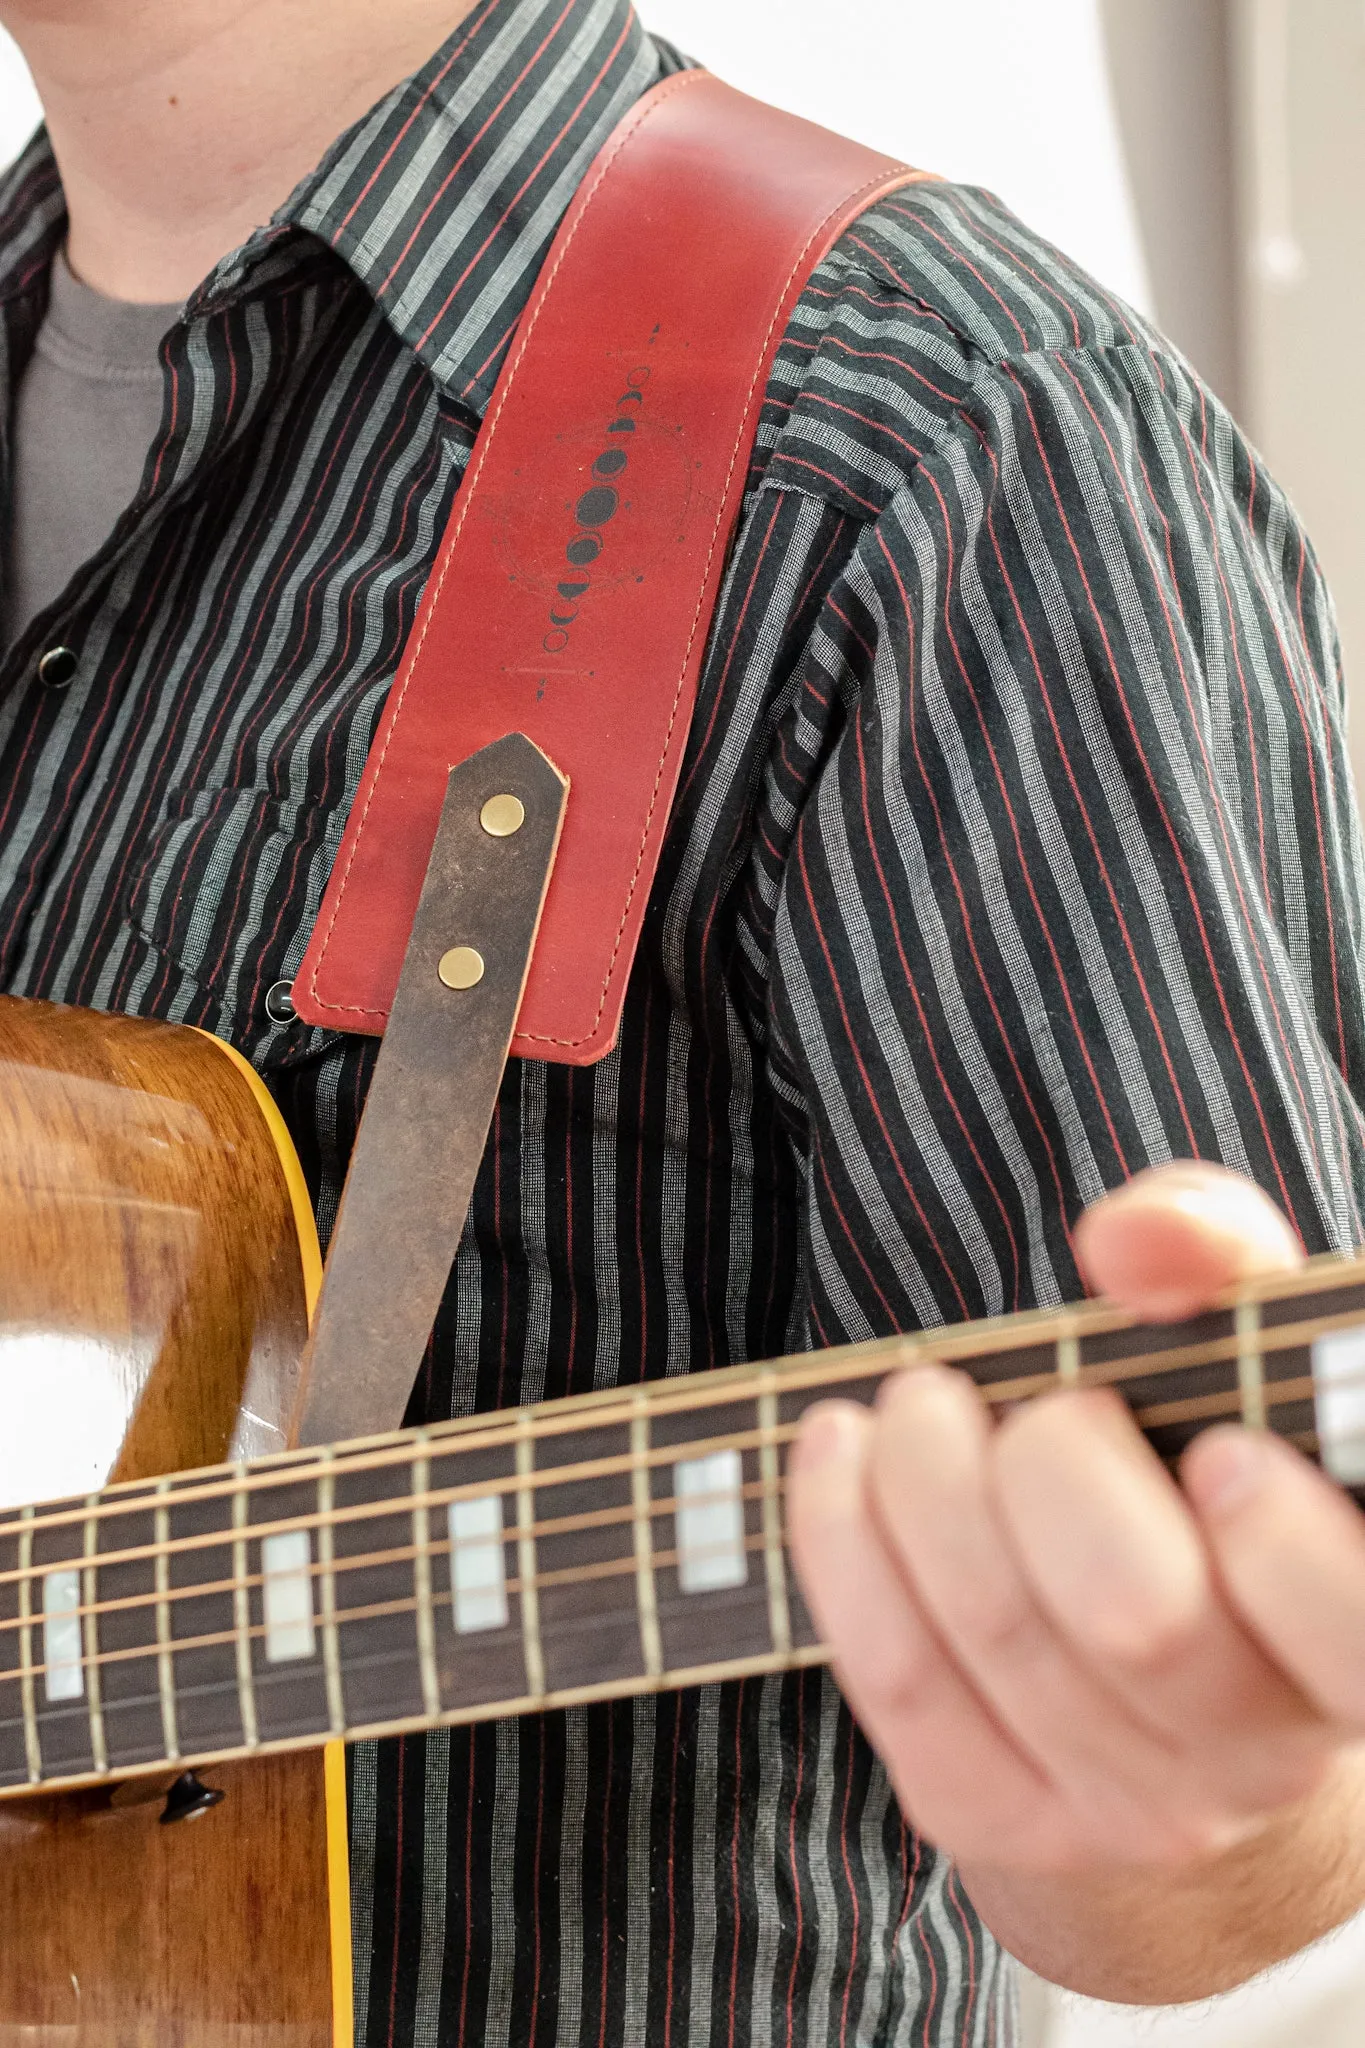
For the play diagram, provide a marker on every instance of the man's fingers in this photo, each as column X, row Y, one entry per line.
column 958, row 1775
column 1291, row 1550
column 1175, row 1236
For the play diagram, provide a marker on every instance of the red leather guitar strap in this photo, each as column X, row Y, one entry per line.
column 575, row 588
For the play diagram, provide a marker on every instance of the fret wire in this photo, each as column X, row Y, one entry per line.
column 421, row 1583
column 91, row 1643
column 610, row 1568
column 690, row 1675
column 646, row 1590
column 953, row 1344
column 528, row 1597
column 165, row 1658
column 1276, row 1393
column 1069, row 1358
column 240, row 1587
column 817, row 1370
column 331, row 1655
column 1250, row 1365
column 33, row 1751
column 241, row 1616
column 774, row 1555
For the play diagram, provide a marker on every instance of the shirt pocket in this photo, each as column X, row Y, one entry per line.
column 228, row 888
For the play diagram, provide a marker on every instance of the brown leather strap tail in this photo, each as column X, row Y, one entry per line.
column 426, row 1119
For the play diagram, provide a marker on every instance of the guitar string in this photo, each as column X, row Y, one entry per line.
column 814, row 1372
column 371, row 1560
column 406, row 1555
column 566, row 1577
column 1277, row 1394
column 952, row 1346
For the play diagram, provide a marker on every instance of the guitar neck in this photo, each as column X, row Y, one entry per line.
column 586, row 1549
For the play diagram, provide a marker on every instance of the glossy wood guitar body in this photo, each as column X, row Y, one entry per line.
column 157, row 1269
column 156, row 1264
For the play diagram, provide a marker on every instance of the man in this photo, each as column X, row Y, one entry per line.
column 1013, row 855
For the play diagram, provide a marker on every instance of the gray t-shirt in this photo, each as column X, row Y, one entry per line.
column 87, row 410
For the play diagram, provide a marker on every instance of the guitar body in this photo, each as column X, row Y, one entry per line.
column 157, row 1266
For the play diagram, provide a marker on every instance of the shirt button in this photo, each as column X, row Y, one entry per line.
column 279, row 1003
column 57, row 667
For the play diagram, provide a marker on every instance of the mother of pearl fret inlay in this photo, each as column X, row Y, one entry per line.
column 287, row 1596
column 1339, row 1382
column 63, row 1653
column 478, row 1572
column 709, row 1521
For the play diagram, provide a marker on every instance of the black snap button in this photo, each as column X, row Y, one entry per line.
column 279, row 1003
column 57, row 667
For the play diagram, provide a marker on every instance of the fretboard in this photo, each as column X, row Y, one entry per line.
column 517, row 1562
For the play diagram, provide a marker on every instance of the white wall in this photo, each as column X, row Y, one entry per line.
column 1012, row 94
column 19, row 109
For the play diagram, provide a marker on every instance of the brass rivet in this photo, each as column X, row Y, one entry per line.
column 501, row 816
column 461, row 967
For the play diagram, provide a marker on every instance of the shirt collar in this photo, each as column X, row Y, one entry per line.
column 444, row 199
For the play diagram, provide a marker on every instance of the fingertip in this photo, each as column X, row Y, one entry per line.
column 1175, row 1237
column 831, row 1433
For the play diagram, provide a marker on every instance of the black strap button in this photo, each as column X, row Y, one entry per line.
column 57, row 667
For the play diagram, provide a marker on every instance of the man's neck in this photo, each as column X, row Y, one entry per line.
column 181, row 125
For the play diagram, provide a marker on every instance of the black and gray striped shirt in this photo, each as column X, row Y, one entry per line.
column 1014, row 850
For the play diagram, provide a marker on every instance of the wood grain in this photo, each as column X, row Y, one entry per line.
column 150, row 1274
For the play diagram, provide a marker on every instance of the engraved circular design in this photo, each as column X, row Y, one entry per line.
column 462, row 967
column 503, row 815
column 57, row 667
column 597, row 506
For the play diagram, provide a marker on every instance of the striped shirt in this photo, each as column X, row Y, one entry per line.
column 1014, row 851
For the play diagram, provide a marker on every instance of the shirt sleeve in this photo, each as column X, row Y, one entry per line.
column 1073, row 880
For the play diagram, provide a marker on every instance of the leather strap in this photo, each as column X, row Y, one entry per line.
column 431, row 1100
column 574, row 590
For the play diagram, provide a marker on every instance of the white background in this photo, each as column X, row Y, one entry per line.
column 1013, row 94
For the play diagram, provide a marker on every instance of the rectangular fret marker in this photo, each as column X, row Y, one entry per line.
column 1339, row 1378
column 709, row 1518
column 478, row 1574
column 286, row 1561
column 63, row 1675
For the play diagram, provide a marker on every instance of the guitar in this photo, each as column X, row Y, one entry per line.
column 191, row 1592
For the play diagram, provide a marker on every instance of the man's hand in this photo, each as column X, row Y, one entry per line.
column 1126, row 1713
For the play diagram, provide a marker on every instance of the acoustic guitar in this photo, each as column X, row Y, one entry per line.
column 181, row 1592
